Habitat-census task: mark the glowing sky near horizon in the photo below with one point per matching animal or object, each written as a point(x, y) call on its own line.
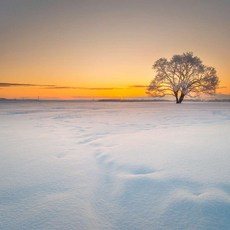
point(105, 48)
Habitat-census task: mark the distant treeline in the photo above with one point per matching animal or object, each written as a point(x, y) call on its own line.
point(112, 100)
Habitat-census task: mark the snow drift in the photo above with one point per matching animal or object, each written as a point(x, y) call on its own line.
point(101, 165)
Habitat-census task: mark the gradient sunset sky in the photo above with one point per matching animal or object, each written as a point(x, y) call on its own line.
point(74, 49)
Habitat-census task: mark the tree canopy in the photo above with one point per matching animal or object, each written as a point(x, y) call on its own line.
point(183, 75)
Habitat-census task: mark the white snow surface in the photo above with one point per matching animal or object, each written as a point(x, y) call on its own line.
point(114, 165)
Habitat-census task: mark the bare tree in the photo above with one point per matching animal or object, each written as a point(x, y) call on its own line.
point(183, 75)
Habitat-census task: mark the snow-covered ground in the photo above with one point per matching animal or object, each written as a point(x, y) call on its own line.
point(123, 166)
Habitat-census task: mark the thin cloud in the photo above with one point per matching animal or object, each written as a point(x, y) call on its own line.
point(138, 86)
point(102, 88)
point(222, 87)
point(7, 84)
point(81, 88)
point(59, 87)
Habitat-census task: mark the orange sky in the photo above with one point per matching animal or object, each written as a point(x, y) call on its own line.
point(102, 48)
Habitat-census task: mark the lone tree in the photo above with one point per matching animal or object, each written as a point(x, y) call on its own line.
point(183, 75)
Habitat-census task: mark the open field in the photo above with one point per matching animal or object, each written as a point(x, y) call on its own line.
point(114, 165)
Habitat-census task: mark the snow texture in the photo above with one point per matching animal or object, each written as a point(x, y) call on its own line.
point(121, 166)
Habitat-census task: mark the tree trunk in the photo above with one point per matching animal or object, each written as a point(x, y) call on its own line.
point(176, 96)
point(181, 98)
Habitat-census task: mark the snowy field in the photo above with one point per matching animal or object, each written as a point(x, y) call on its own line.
point(121, 166)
